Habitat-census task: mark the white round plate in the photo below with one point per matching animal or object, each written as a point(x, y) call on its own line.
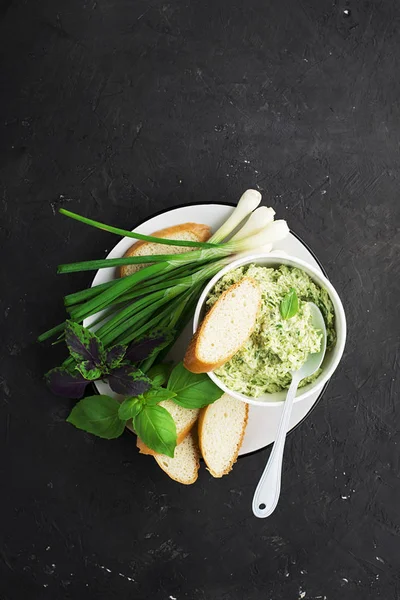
point(263, 421)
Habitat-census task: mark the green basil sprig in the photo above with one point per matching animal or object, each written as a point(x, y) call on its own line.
point(106, 417)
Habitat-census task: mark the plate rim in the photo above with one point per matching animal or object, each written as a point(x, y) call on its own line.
point(232, 205)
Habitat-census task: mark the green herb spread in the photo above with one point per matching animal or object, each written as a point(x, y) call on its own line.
point(277, 346)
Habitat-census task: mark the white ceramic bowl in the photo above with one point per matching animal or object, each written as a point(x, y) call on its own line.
point(332, 358)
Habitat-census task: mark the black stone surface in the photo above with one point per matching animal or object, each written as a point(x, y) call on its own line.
point(118, 109)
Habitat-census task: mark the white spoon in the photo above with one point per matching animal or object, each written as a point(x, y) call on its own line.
point(267, 493)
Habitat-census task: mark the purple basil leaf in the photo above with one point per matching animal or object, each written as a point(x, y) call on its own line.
point(146, 346)
point(84, 345)
point(114, 356)
point(88, 372)
point(66, 383)
point(129, 381)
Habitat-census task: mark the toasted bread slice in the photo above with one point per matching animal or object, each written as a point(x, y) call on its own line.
point(184, 419)
point(222, 426)
point(225, 328)
point(191, 232)
point(185, 465)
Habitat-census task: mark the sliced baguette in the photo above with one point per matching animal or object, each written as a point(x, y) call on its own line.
point(225, 328)
point(184, 419)
point(222, 426)
point(191, 232)
point(185, 465)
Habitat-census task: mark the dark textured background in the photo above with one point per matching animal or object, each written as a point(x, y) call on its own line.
point(118, 109)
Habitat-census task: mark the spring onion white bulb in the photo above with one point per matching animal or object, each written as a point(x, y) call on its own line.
point(247, 203)
point(260, 218)
point(275, 231)
point(261, 250)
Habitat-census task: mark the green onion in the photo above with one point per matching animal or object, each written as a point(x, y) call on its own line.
point(105, 298)
point(78, 297)
point(133, 234)
point(91, 292)
point(48, 334)
point(133, 312)
point(184, 319)
point(165, 292)
point(172, 259)
point(130, 335)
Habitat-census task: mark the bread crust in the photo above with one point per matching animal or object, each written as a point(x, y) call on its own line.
point(158, 459)
point(202, 232)
point(201, 420)
point(191, 361)
point(196, 473)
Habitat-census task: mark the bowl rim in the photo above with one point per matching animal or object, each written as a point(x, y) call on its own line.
point(340, 317)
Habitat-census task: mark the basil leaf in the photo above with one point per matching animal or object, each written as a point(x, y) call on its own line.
point(128, 380)
point(147, 346)
point(193, 390)
point(156, 428)
point(88, 372)
point(114, 356)
point(155, 396)
point(129, 408)
point(69, 384)
point(98, 415)
point(289, 306)
point(84, 345)
point(159, 374)
point(159, 380)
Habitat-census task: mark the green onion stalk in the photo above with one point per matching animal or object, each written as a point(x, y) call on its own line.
point(165, 292)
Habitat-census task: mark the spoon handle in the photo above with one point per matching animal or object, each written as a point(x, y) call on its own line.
point(267, 492)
